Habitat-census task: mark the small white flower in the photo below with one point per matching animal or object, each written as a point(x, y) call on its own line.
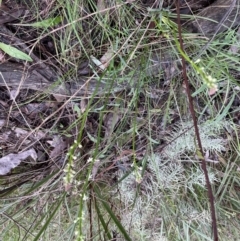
point(197, 61)
point(90, 177)
point(76, 220)
point(89, 160)
point(211, 79)
point(85, 198)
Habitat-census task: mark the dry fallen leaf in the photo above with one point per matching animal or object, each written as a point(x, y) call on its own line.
point(95, 168)
point(59, 146)
point(97, 62)
point(8, 15)
point(2, 122)
point(106, 58)
point(83, 105)
point(110, 120)
point(11, 161)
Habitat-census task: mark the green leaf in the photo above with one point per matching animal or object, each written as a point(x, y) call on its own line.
point(107, 231)
point(50, 22)
point(112, 215)
point(94, 140)
point(225, 111)
point(199, 90)
point(13, 52)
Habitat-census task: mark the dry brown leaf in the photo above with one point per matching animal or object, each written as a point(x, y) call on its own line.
point(110, 121)
point(2, 122)
point(8, 15)
point(106, 58)
point(60, 93)
point(95, 168)
point(83, 105)
point(59, 146)
point(21, 133)
point(11, 161)
point(59, 98)
point(4, 137)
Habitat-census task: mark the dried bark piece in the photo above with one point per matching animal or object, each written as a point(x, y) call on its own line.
point(8, 15)
point(212, 15)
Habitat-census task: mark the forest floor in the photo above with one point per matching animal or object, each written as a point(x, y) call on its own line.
point(97, 140)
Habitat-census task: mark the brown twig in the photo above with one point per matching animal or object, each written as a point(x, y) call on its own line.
point(203, 161)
